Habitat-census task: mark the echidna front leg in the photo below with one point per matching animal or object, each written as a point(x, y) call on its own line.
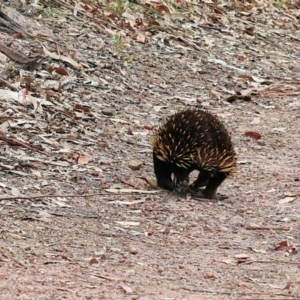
point(202, 180)
point(210, 192)
point(163, 174)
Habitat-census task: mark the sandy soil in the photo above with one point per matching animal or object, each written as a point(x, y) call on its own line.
point(99, 244)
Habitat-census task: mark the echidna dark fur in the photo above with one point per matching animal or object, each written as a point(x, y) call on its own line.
point(189, 140)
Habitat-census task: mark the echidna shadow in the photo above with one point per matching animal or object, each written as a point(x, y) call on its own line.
point(189, 140)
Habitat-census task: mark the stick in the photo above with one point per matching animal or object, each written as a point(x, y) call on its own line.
point(267, 228)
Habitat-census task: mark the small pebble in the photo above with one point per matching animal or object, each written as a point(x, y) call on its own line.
point(133, 250)
point(107, 111)
point(94, 260)
point(135, 164)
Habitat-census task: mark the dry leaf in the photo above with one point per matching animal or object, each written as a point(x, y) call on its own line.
point(262, 251)
point(66, 59)
point(126, 289)
point(144, 133)
point(286, 200)
point(3, 58)
point(120, 121)
point(127, 202)
point(23, 97)
point(210, 276)
point(141, 37)
point(128, 223)
point(228, 261)
point(288, 284)
point(241, 256)
point(285, 246)
point(245, 285)
point(253, 134)
point(83, 159)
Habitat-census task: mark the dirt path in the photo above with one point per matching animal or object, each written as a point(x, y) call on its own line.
point(96, 119)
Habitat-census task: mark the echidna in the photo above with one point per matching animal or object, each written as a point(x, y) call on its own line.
point(189, 140)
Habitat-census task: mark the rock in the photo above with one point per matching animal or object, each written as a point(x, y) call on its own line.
point(135, 164)
point(107, 111)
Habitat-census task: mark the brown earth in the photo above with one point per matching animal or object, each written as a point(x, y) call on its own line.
point(100, 244)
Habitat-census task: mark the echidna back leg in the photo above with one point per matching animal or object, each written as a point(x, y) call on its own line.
point(210, 192)
point(202, 180)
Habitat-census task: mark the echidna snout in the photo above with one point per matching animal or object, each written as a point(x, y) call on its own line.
point(181, 180)
point(164, 171)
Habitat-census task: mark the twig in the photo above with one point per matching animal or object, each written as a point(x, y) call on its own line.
point(13, 141)
point(106, 277)
point(273, 262)
point(293, 195)
point(74, 215)
point(189, 43)
point(11, 26)
point(5, 82)
point(206, 291)
point(52, 196)
point(60, 195)
point(146, 7)
point(261, 294)
point(267, 228)
point(263, 262)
